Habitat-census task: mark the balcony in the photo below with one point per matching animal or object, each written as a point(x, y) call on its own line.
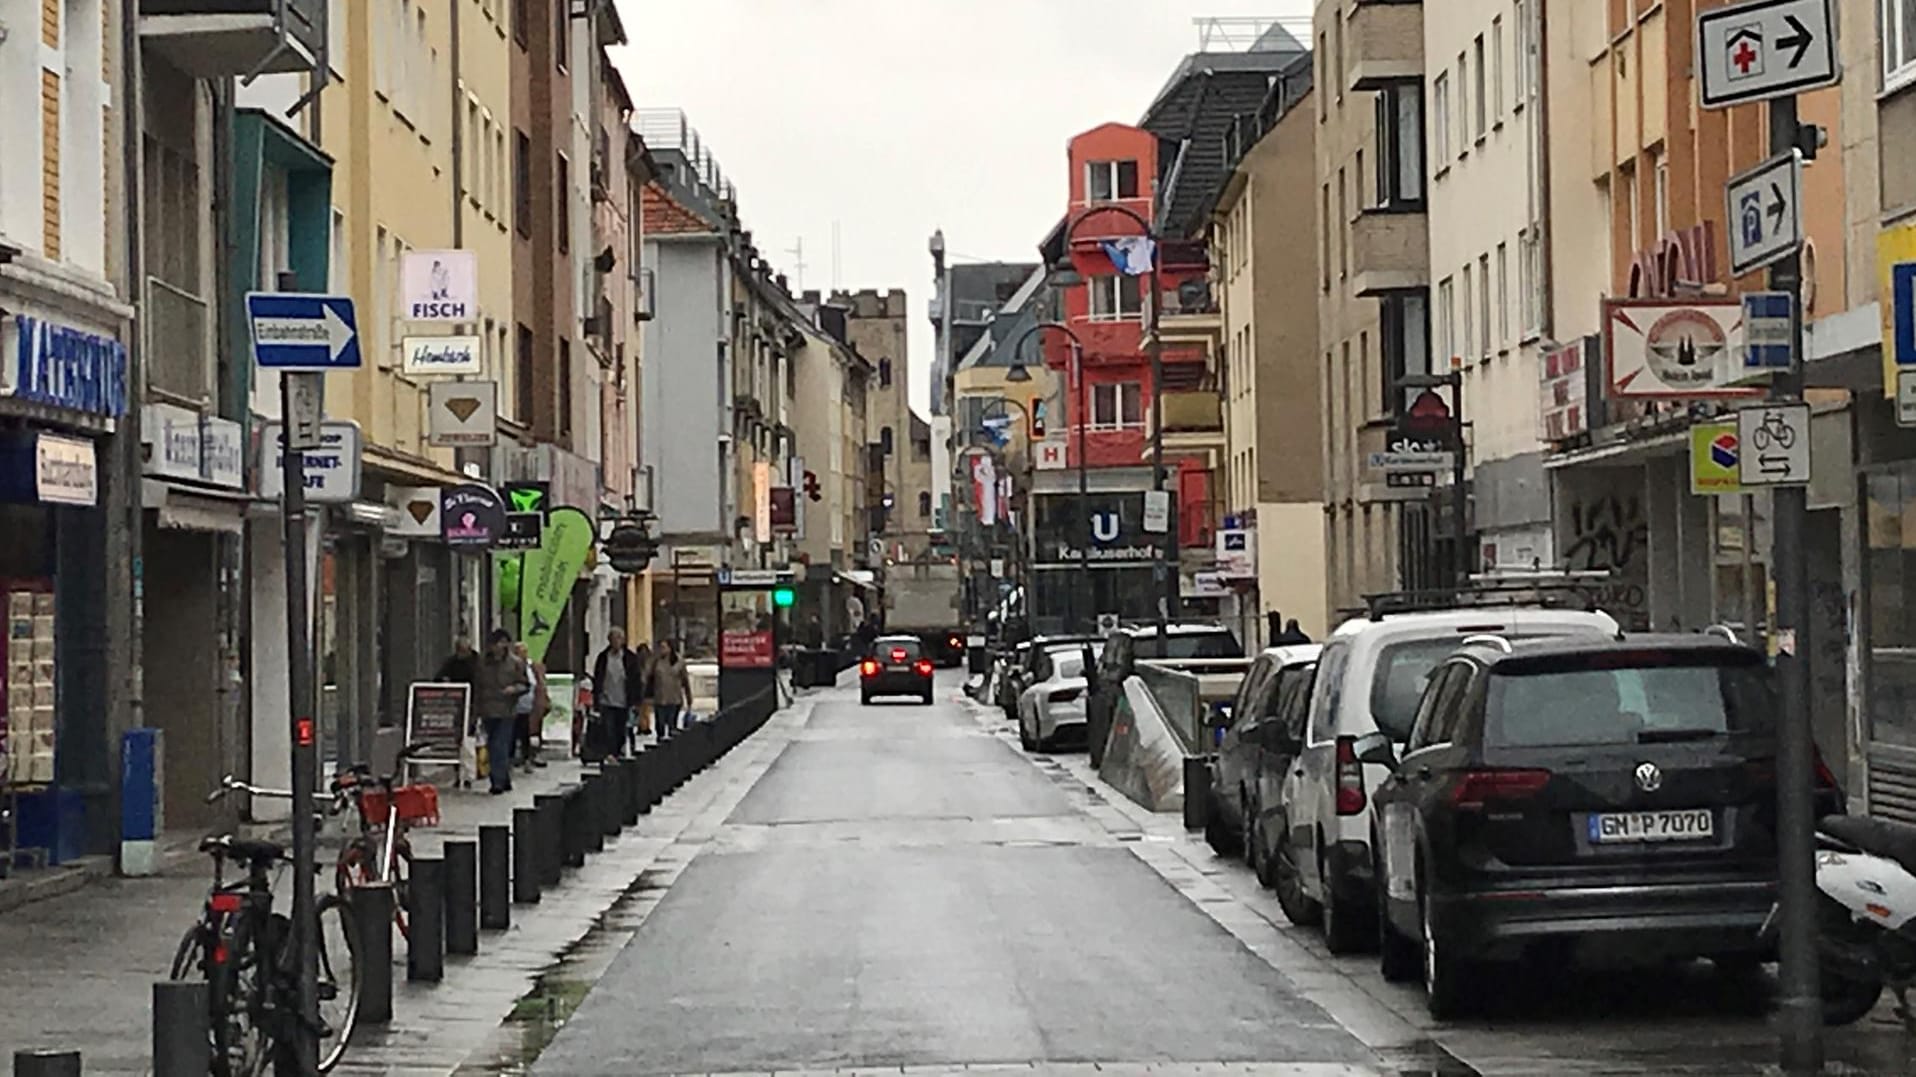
point(1193, 422)
point(245, 38)
point(1390, 252)
point(177, 360)
point(1383, 43)
point(1190, 316)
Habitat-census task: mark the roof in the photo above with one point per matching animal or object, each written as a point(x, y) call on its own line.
point(662, 214)
point(1475, 620)
point(1194, 112)
point(1699, 645)
point(1293, 654)
point(1015, 317)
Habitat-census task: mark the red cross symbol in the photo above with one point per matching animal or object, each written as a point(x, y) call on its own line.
point(1744, 57)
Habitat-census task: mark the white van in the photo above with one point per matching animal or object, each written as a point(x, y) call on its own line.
point(1369, 678)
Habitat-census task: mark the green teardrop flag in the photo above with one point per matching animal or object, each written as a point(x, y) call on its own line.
point(545, 583)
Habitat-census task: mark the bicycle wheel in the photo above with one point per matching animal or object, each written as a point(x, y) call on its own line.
point(356, 869)
point(338, 945)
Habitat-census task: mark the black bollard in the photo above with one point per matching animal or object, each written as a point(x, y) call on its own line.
point(372, 906)
point(548, 847)
point(462, 897)
point(612, 802)
point(592, 815)
point(497, 872)
point(645, 766)
point(574, 821)
point(629, 784)
point(53, 1063)
point(426, 934)
point(180, 1029)
point(1197, 792)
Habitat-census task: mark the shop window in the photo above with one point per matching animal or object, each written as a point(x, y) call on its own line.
point(924, 503)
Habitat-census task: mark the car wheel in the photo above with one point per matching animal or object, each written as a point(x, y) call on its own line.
point(1217, 835)
point(1448, 986)
point(1398, 957)
point(865, 698)
point(1346, 928)
point(1024, 737)
point(1299, 908)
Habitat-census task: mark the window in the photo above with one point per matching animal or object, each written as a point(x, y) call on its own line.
point(561, 33)
point(1404, 320)
point(1528, 56)
point(924, 503)
point(1483, 304)
point(1497, 68)
point(522, 181)
point(1533, 282)
point(1400, 145)
point(1440, 105)
point(520, 21)
point(1324, 241)
point(1117, 405)
point(1323, 76)
point(884, 441)
point(1343, 228)
point(1116, 297)
point(1662, 174)
point(1357, 182)
point(1107, 181)
point(522, 366)
point(1446, 318)
point(1897, 42)
point(1469, 340)
point(1480, 99)
point(1627, 179)
point(884, 373)
point(563, 209)
point(565, 388)
point(1503, 295)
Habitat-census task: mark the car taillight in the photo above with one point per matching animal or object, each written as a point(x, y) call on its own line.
point(1065, 696)
point(224, 903)
point(924, 667)
point(1476, 788)
point(956, 641)
point(1825, 777)
point(869, 667)
point(1350, 778)
point(898, 654)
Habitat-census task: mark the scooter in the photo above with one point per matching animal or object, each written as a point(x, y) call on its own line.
point(1866, 915)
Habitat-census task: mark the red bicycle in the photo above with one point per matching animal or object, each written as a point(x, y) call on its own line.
point(387, 810)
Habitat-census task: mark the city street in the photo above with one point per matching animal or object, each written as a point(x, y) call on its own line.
point(902, 887)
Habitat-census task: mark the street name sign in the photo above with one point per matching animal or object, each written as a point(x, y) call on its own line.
point(1766, 212)
point(1906, 396)
point(301, 331)
point(1765, 49)
point(1773, 445)
point(1767, 343)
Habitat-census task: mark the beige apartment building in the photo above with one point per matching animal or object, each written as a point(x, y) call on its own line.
point(1271, 375)
point(876, 325)
point(1373, 281)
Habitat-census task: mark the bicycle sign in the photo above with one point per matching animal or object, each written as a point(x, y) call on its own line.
point(1775, 440)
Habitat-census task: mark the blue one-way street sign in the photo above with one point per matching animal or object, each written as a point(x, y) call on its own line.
point(297, 331)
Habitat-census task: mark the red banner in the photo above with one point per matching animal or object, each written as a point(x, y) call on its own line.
point(745, 649)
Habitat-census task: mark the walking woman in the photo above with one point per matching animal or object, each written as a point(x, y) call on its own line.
point(668, 688)
point(642, 694)
point(530, 711)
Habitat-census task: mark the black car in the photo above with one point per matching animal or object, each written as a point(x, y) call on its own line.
point(896, 666)
point(1614, 793)
point(1261, 741)
point(1123, 648)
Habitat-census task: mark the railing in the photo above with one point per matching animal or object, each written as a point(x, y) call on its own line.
point(178, 361)
point(1185, 690)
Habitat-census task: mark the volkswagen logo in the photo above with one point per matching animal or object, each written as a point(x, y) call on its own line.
point(1649, 777)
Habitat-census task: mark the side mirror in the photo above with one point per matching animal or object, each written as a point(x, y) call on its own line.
point(1376, 748)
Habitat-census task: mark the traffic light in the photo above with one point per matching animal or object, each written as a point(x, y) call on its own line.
point(812, 492)
point(1037, 414)
point(783, 597)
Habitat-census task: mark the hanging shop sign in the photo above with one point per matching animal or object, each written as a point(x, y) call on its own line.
point(1565, 392)
point(547, 576)
point(439, 286)
point(1237, 553)
point(46, 363)
point(418, 508)
point(1674, 348)
point(462, 414)
point(1714, 456)
point(183, 444)
point(524, 496)
point(471, 516)
point(440, 355)
point(332, 469)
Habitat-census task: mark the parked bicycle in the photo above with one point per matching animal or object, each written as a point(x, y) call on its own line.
point(387, 810)
point(243, 949)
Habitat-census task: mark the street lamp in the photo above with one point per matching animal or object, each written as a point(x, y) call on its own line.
point(1064, 274)
point(1018, 373)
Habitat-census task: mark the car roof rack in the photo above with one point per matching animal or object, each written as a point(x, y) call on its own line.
point(1548, 588)
point(1490, 638)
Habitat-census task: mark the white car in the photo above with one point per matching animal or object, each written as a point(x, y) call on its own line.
point(1370, 676)
point(1053, 708)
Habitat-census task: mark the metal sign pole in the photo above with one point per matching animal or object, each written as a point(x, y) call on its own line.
point(305, 778)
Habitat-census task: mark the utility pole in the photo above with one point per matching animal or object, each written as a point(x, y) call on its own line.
point(1167, 578)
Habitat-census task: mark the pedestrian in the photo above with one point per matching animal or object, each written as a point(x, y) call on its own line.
point(500, 679)
point(617, 680)
point(529, 711)
point(668, 688)
point(461, 668)
point(1291, 635)
point(642, 701)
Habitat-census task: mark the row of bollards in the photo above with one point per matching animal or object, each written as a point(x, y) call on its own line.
point(468, 889)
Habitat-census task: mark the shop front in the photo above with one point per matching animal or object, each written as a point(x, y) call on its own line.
point(63, 387)
point(1106, 532)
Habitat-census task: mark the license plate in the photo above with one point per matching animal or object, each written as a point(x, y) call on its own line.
point(1690, 824)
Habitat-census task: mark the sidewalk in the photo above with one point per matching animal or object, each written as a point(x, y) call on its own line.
point(79, 967)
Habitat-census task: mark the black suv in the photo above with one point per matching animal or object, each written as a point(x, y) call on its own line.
point(1613, 792)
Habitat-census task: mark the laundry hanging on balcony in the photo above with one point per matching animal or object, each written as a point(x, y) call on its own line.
point(1132, 255)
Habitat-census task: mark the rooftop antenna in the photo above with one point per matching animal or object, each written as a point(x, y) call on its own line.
point(835, 257)
point(797, 251)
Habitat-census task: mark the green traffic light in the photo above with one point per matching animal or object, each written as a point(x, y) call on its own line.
point(783, 597)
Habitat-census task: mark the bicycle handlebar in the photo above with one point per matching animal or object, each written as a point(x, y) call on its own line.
point(230, 785)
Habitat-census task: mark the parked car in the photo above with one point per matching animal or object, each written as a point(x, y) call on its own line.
point(1370, 676)
point(1274, 694)
point(1123, 648)
point(1051, 709)
point(897, 666)
point(1611, 792)
point(1005, 692)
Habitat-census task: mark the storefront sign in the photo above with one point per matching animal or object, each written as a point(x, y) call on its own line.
point(471, 515)
point(418, 510)
point(1565, 392)
point(1109, 530)
point(332, 469)
point(63, 367)
point(762, 501)
point(436, 716)
point(1237, 553)
point(1676, 349)
point(527, 497)
point(524, 531)
point(1714, 456)
point(745, 648)
point(439, 286)
point(1207, 585)
point(440, 355)
point(183, 444)
point(548, 575)
point(462, 414)
point(65, 472)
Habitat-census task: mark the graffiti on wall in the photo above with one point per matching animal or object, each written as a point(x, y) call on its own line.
point(1609, 533)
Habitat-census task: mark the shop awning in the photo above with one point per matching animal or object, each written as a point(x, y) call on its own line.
point(181, 508)
point(858, 577)
point(1632, 451)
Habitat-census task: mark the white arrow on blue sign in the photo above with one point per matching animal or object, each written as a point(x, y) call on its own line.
point(300, 331)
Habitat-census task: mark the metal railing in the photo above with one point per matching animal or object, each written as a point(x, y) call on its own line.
point(178, 362)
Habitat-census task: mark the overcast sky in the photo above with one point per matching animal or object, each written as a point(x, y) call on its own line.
point(891, 118)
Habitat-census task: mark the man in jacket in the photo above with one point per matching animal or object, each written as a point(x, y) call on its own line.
point(499, 679)
point(618, 682)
